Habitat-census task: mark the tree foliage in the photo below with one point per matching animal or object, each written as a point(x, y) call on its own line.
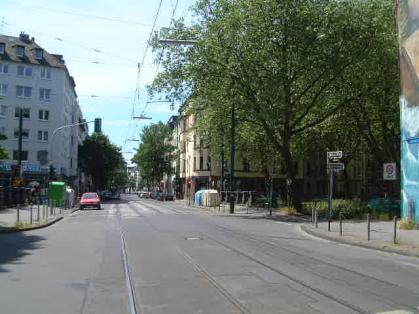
point(101, 160)
point(3, 152)
point(153, 156)
point(291, 68)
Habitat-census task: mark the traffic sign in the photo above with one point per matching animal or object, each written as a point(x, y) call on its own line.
point(334, 156)
point(390, 171)
point(336, 166)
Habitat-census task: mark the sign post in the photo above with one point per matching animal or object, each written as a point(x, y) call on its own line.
point(333, 165)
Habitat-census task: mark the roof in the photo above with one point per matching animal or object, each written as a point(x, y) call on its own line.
point(30, 45)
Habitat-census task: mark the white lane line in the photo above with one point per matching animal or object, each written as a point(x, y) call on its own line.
point(283, 223)
point(396, 312)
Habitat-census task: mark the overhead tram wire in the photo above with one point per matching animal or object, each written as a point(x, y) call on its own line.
point(174, 8)
point(84, 15)
point(140, 66)
point(74, 43)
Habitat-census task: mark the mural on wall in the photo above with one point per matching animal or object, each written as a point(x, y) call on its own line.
point(408, 21)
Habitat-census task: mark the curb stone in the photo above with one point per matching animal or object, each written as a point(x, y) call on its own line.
point(14, 229)
point(311, 232)
point(49, 223)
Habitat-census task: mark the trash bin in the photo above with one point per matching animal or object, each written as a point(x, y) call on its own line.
point(198, 197)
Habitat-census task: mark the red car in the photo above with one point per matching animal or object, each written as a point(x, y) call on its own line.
point(90, 200)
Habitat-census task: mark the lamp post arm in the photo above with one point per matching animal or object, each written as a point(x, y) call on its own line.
point(56, 131)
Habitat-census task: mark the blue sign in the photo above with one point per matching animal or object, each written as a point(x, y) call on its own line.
point(414, 140)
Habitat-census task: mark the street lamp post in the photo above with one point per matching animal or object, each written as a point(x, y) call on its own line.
point(187, 180)
point(51, 146)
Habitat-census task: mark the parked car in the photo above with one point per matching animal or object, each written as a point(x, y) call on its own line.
point(115, 196)
point(155, 195)
point(167, 197)
point(105, 195)
point(89, 200)
point(144, 194)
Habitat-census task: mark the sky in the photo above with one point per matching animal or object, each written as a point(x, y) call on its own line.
point(102, 42)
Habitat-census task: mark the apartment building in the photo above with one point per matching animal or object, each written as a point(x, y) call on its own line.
point(40, 84)
point(195, 168)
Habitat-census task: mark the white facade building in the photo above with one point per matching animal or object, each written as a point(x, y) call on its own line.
point(39, 82)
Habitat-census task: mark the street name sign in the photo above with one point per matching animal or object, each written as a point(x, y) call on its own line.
point(390, 171)
point(336, 166)
point(334, 156)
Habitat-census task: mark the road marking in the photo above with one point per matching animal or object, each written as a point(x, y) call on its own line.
point(283, 223)
point(396, 312)
point(411, 265)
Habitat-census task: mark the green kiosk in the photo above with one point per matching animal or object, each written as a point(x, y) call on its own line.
point(56, 193)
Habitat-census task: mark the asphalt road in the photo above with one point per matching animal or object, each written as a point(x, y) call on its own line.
point(146, 256)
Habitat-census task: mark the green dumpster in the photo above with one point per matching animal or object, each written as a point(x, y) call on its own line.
point(56, 193)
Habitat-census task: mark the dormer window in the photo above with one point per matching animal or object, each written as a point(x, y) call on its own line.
point(20, 50)
point(2, 48)
point(39, 54)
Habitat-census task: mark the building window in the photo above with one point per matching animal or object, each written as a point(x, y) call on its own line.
point(43, 136)
point(25, 133)
point(4, 68)
point(44, 94)
point(19, 50)
point(3, 89)
point(246, 165)
point(209, 163)
point(201, 162)
point(3, 130)
point(2, 48)
point(24, 91)
point(39, 54)
point(194, 163)
point(24, 155)
point(43, 115)
point(26, 112)
point(3, 110)
point(42, 156)
point(24, 71)
point(45, 73)
point(72, 140)
point(71, 163)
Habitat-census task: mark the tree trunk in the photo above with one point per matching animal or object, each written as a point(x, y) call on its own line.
point(293, 195)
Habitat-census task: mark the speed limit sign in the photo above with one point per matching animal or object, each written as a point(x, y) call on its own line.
point(390, 171)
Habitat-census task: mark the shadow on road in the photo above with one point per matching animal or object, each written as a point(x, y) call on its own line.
point(15, 246)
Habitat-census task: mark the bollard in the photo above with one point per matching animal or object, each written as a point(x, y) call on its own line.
point(368, 226)
point(340, 224)
point(312, 216)
point(31, 214)
point(395, 230)
point(316, 220)
point(18, 214)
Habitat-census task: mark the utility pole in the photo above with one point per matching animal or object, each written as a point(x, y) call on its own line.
point(19, 149)
point(222, 168)
point(232, 156)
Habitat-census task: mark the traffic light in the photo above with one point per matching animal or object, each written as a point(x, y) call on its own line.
point(98, 125)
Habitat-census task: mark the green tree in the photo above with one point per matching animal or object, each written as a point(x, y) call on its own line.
point(153, 156)
point(3, 152)
point(286, 70)
point(100, 159)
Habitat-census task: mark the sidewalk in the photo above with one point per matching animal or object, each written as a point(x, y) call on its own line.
point(381, 236)
point(10, 219)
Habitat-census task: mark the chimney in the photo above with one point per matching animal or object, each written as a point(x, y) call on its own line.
point(24, 37)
